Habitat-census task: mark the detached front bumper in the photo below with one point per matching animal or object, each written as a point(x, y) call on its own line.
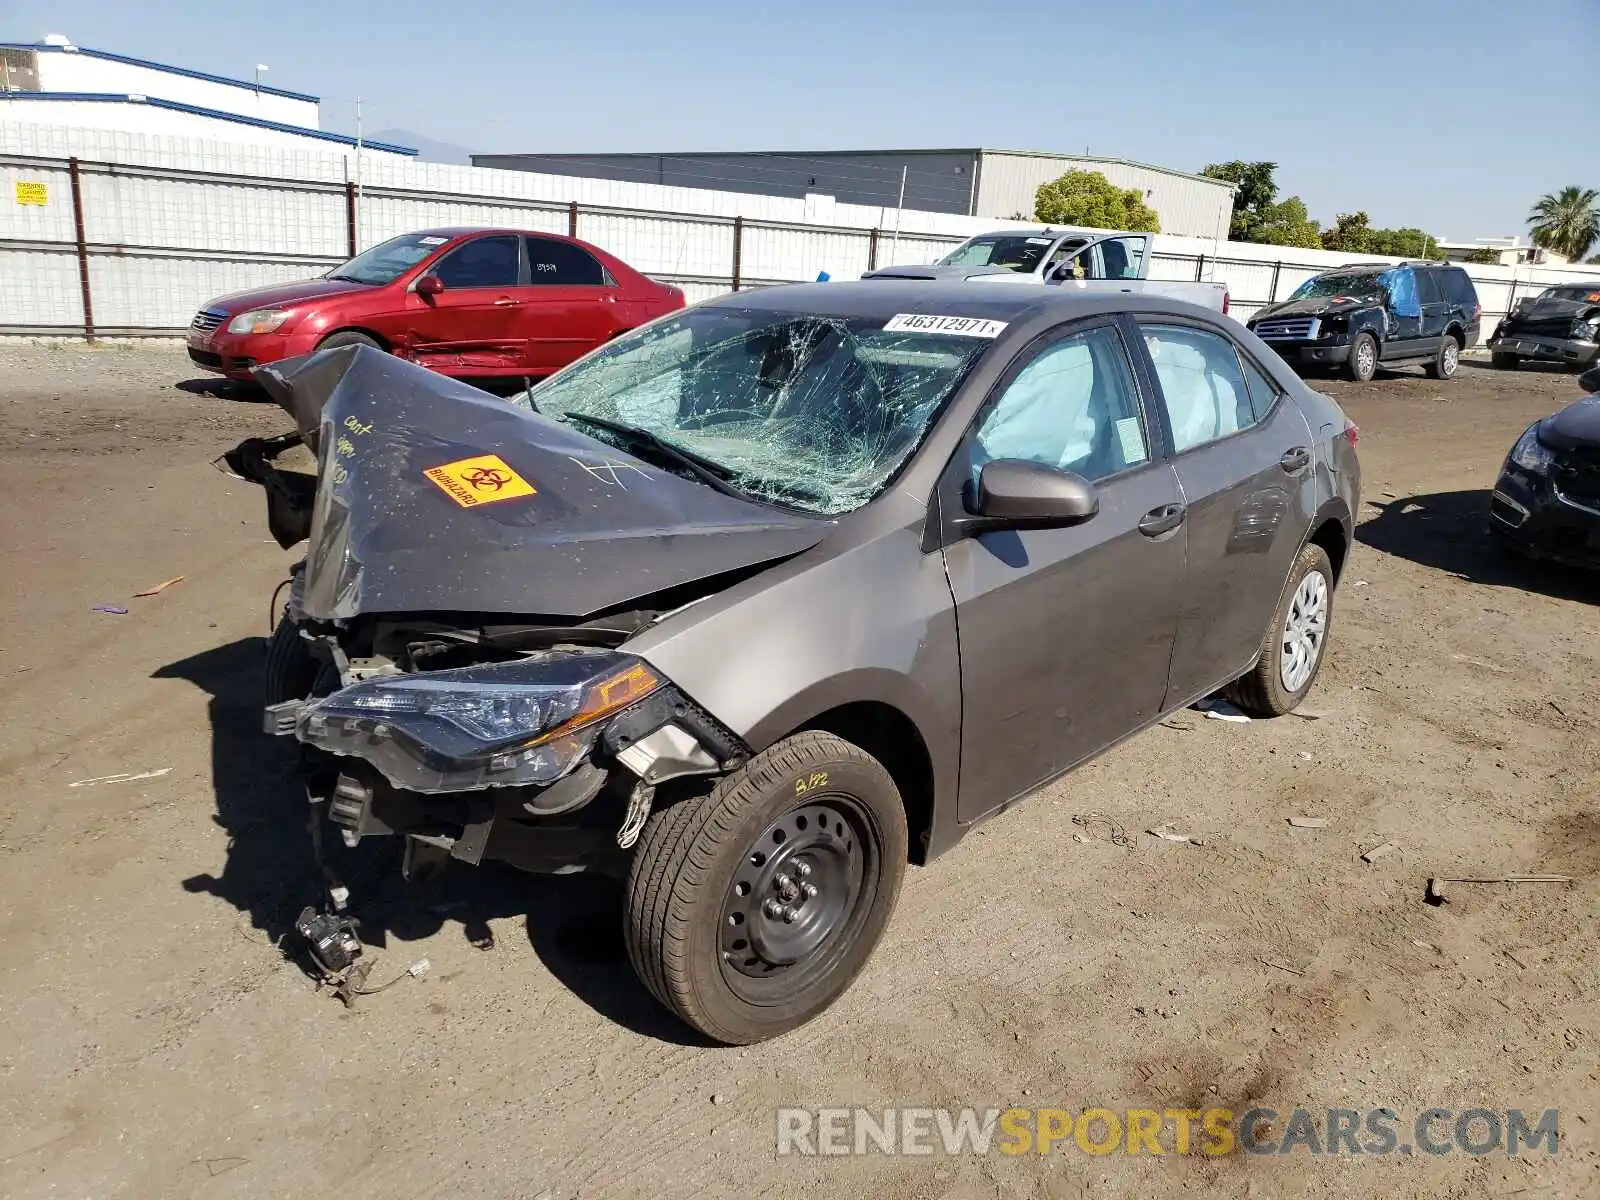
point(1532, 514)
point(1546, 349)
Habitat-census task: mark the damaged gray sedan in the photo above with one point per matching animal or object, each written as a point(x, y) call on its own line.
point(759, 602)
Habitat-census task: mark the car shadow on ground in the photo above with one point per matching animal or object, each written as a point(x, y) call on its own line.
point(223, 389)
point(574, 923)
point(1449, 531)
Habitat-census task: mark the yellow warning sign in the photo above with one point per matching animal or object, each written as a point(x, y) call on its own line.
point(482, 480)
point(32, 193)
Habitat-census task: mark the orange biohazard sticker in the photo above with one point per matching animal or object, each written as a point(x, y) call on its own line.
point(481, 480)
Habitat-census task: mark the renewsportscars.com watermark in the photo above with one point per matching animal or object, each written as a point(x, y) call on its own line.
point(1213, 1131)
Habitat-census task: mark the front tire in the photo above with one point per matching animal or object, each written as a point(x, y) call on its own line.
point(1445, 362)
point(348, 337)
point(1295, 642)
point(290, 672)
point(753, 906)
point(1363, 362)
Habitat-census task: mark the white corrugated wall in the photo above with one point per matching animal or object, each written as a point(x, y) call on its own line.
point(171, 223)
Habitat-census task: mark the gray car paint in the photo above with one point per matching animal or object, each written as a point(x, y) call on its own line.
point(871, 615)
point(1013, 655)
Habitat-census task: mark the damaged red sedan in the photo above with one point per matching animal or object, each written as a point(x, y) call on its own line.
point(464, 302)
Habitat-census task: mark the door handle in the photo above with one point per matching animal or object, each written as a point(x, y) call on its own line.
point(506, 302)
point(1162, 520)
point(1295, 459)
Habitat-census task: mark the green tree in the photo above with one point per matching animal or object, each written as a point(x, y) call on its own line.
point(1567, 221)
point(1286, 224)
point(1258, 215)
point(1254, 191)
point(1488, 256)
point(1089, 198)
point(1353, 234)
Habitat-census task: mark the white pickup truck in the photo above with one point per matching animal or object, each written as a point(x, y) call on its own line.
point(1085, 258)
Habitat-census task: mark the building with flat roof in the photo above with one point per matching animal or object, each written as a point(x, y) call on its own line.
point(53, 82)
point(970, 182)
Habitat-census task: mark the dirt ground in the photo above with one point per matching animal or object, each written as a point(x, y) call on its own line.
point(157, 1043)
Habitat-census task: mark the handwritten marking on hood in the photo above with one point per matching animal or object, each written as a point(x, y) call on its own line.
point(609, 471)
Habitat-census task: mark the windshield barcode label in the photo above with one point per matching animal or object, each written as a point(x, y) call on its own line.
point(959, 326)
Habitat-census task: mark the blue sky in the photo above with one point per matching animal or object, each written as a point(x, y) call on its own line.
point(1451, 116)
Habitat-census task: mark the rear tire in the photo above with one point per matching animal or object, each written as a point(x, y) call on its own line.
point(1281, 677)
point(348, 337)
point(754, 905)
point(1446, 361)
point(1363, 362)
point(1503, 362)
point(290, 672)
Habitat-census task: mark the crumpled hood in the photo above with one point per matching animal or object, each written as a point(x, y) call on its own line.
point(1311, 306)
point(435, 496)
point(1575, 425)
point(1545, 308)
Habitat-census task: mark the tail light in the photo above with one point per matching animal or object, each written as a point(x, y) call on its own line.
point(1351, 434)
point(1226, 300)
point(1477, 312)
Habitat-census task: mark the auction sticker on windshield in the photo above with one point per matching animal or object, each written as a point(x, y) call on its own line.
point(959, 326)
point(481, 480)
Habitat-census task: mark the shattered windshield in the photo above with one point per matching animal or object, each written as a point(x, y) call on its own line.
point(1355, 285)
point(1017, 252)
point(387, 261)
point(810, 411)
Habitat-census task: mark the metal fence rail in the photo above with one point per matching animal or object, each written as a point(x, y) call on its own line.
point(139, 247)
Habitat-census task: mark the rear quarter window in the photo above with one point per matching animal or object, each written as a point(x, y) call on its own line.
point(1458, 286)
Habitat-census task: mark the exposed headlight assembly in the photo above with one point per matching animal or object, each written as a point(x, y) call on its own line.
point(1530, 453)
point(498, 725)
point(260, 320)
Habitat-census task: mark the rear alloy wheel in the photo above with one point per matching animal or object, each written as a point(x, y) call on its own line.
point(752, 906)
point(1363, 364)
point(1296, 641)
point(1446, 361)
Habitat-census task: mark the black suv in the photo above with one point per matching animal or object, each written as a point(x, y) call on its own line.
point(1362, 315)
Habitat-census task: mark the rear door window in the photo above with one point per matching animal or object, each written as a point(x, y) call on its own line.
point(486, 262)
point(1428, 288)
point(561, 264)
point(1201, 382)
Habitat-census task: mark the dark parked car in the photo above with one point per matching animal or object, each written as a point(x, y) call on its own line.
point(756, 603)
point(1560, 324)
point(1546, 502)
point(1362, 316)
point(473, 302)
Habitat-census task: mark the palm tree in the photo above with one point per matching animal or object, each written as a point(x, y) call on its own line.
point(1567, 222)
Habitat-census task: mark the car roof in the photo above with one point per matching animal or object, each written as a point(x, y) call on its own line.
point(455, 231)
point(1052, 231)
point(880, 299)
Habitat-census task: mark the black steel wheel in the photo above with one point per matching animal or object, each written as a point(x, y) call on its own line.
point(754, 905)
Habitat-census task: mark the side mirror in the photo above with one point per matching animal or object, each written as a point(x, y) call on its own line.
point(1015, 494)
point(1589, 381)
point(429, 285)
